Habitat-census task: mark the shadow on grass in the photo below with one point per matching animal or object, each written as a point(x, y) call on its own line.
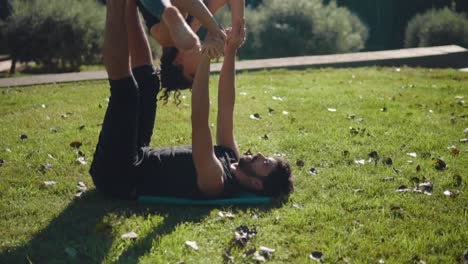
point(79, 233)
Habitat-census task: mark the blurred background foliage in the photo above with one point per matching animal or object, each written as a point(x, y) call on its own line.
point(62, 35)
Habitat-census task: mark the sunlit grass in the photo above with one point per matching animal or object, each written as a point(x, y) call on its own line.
point(348, 211)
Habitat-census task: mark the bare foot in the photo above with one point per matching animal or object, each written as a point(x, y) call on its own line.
point(182, 35)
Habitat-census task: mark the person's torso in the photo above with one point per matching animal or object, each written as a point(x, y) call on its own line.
point(171, 171)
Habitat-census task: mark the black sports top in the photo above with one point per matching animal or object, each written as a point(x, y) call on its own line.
point(170, 171)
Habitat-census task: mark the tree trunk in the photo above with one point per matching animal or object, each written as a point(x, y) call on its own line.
point(13, 66)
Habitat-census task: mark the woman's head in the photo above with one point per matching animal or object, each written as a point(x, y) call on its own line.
point(177, 71)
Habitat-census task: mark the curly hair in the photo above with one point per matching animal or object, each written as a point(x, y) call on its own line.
point(172, 77)
point(280, 181)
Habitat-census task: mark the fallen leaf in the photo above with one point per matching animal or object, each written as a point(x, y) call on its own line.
point(131, 235)
point(8, 150)
point(285, 112)
point(266, 251)
point(225, 215)
point(361, 161)
point(49, 183)
point(76, 144)
point(192, 244)
point(297, 206)
point(270, 111)
point(387, 161)
point(300, 163)
point(243, 93)
point(374, 155)
point(425, 187)
point(464, 140)
point(403, 188)
point(465, 131)
point(45, 166)
point(255, 116)
point(228, 258)
point(412, 154)
point(358, 191)
point(331, 109)
point(459, 97)
point(23, 137)
point(82, 186)
point(81, 160)
point(243, 234)
point(258, 257)
point(313, 171)
point(440, 164)
point(277, 98)
point(448, 193)
point(317, 256)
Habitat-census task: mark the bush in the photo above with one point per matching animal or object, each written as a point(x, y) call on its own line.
point(57, 34)
point(437, 27)
point(279, 28)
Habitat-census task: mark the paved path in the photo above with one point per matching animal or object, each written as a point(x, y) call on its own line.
point(451, 56)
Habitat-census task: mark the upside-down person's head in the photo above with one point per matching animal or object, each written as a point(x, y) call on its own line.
point(177, 72)
point(265, 175)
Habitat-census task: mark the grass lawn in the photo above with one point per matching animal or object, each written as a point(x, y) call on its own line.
point(366, 132)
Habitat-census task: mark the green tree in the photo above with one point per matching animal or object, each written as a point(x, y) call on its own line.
point(60, 35)
point(279, 28)
point(437, 27)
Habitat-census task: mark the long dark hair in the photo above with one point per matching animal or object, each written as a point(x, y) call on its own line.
point(172, 77)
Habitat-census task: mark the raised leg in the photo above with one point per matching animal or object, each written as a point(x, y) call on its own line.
point(144, 73)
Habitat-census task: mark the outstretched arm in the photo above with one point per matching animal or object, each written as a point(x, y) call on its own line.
point(227, 95)
point(209, 169)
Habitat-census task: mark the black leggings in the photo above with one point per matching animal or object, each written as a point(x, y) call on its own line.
point(127, 127)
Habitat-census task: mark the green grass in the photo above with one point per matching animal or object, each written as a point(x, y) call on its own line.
point(347, 211)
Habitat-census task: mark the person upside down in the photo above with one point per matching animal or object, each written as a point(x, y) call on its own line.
point(125, 167)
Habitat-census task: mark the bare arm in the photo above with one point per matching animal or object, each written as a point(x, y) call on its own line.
point(227, 98)
point(209, 169)
point(237, 12)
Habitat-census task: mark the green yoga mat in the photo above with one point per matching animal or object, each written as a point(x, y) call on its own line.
point(241, 199)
